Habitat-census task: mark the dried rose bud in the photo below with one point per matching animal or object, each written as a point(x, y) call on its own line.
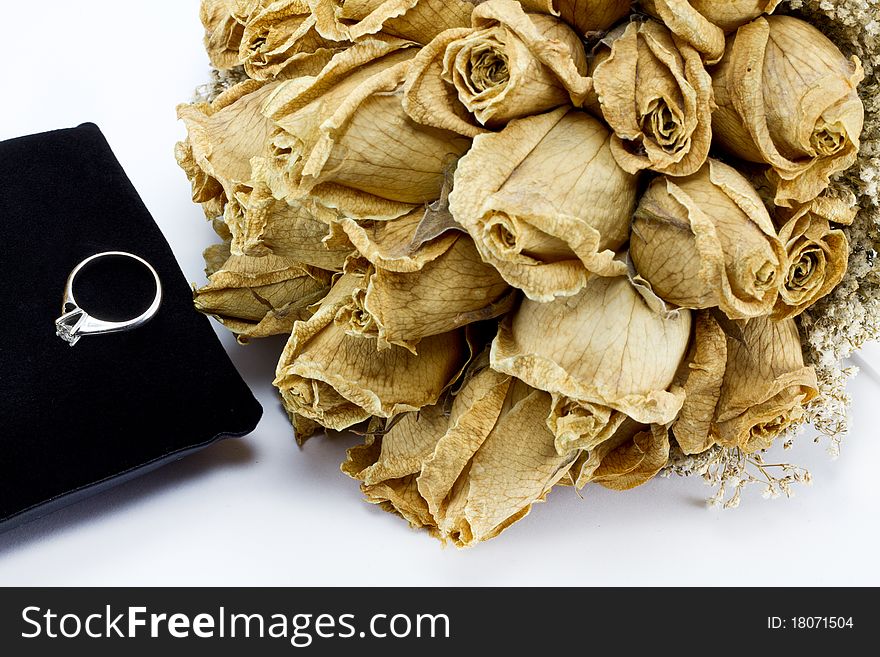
point(611, 351)
point(818, 256)
point(585, 16)
point(223, 137)
point(334, 377)
point(258, 297)
point(280, 41)
point(657, 97)
point(508, 65)
point(703, 23)
point(466, 475)
point(546, 202)
point(788, 97)
point(223, 32)
point(343, 139)
point(765, 385)
point(707, 241)
point(433, 289)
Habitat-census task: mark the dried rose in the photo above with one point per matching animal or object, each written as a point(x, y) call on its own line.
point(344, 140)
point(633, 456)
point(610, 351)
point(510, 65)
point(707, 241)
point(415, 20)
point(223, 32)
point(469, 476)
point(334, 377)
point(585, 16)
point(545, 202)
point(703, 23)
point(280, 41)
point(765, 385)
point(261, 225)
point(818, 257)
point(206, 190)
point(449, 287)
point(788, 97)
point(657, 97)
point(257, 297)
point(223, 137)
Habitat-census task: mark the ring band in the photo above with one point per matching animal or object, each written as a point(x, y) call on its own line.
point(76, 322)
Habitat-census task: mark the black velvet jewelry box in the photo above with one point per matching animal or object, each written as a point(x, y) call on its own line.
point(77, 420)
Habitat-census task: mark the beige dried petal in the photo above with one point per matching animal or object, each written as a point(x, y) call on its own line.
point(607, 345)
point(339, 380)
point(585, 16)
point(515, 466)
point(401, 497)
point(345, 140)
point(260, 297)
point(635, 462)
point(788, 97)
point(224, 135)
point(406, 447)
point(206, 190)
point(453, 291)
point(818, 257)
point(262, 225)
point(475, 413)
point(765, 385)
point(415, 20)
point(389, 245)
point(280, 41)
point(701, 376)
point(702, 23)
point(581, 425)
point(223, 32)
point(546, 203)
point(656, 95)
point(428, 98)
point(707, 241)
point(513, 65)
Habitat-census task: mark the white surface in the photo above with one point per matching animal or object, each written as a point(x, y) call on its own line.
point(262, 512)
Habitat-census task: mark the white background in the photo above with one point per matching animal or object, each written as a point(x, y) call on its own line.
point(260, 511)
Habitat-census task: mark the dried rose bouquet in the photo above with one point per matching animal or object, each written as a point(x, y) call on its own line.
point(538, 243)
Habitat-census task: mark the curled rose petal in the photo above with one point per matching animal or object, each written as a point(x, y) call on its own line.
point(206, 190)
point(224, 135)
point(339, 379)
point(280, 41)
point(609, 346)
point(262, 225)
point(765, 385)
point(545, 202)
point(818, 257)
point(344, 140)
point(657, 97)
point(707, 241)
point(513, 65)
point(260, 297)
point(481, 466)
point(631, 457)
point(585, 16)
point(454, 290)
point(788, 97)
point(223, 32)
point(702, 23)
point(415, 20)
point(701, 376)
